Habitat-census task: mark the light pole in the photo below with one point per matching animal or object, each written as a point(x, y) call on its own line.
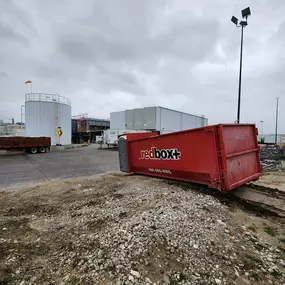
point(261, 128)
point(276, 123)
point(22, 116)
point(245, 13)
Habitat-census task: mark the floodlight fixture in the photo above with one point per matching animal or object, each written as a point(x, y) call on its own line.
point(246, 12)
point(243, 23)
point(234, 20)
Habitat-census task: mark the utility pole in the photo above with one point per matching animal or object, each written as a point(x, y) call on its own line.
point(276, 124)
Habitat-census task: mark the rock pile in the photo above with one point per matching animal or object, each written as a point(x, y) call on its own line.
point(141, 231)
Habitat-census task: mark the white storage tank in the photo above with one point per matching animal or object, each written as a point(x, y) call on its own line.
point(45, 114)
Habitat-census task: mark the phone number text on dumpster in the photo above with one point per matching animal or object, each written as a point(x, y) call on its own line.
point(157, 170)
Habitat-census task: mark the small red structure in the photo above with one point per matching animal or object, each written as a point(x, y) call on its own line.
point(222, 156)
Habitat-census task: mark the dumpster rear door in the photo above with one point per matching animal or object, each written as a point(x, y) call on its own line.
point(123, 154)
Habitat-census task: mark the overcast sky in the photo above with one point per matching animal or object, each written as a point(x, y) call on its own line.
point(110, 55)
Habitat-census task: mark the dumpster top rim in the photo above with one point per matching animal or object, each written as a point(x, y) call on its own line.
point(195, 129)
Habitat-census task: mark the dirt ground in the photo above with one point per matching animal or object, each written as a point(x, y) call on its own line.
point(274, 179)
point(121, 229)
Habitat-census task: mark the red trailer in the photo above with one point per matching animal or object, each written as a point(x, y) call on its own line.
point(31, 145)
point(222, 156)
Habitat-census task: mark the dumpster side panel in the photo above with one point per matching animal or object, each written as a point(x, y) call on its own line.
point(190, 155)
point(241, 169)
point(241, 152)
point(239, 138)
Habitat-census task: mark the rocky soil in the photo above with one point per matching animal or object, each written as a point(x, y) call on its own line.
point(270, 157)
point(118, 229)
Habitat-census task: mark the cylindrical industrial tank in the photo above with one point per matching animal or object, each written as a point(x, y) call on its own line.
point(44, 114)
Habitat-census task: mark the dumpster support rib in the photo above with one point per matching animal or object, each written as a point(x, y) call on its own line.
point(221, 157)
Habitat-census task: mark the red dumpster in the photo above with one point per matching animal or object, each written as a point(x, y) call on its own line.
point(135, 136)
point(222, 156)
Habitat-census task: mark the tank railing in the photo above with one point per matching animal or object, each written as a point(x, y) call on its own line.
point(44, 97)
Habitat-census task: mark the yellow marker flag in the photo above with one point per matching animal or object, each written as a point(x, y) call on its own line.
point(28, 81)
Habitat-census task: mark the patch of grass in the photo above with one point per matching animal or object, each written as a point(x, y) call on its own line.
point(206, 209)
point(276, 274)
point(282, 239)
point(270, 231)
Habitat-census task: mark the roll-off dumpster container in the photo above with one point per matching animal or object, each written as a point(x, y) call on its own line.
point(222, 156)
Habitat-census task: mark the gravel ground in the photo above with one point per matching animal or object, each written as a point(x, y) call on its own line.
point(120, 229)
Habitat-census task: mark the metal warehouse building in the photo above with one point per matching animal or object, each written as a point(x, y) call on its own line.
point(155, 118)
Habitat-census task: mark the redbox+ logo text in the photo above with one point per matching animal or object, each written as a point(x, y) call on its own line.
point(166, 154)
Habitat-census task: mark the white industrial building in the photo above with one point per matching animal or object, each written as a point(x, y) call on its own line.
point(155, 118)
point(45, 114)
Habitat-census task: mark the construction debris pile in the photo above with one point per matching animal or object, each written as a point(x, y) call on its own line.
point(270, 157)
point(130, 230)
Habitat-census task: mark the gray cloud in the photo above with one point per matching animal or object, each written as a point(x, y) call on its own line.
point(8, 34)
point(3, 74)
point(110, 55)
